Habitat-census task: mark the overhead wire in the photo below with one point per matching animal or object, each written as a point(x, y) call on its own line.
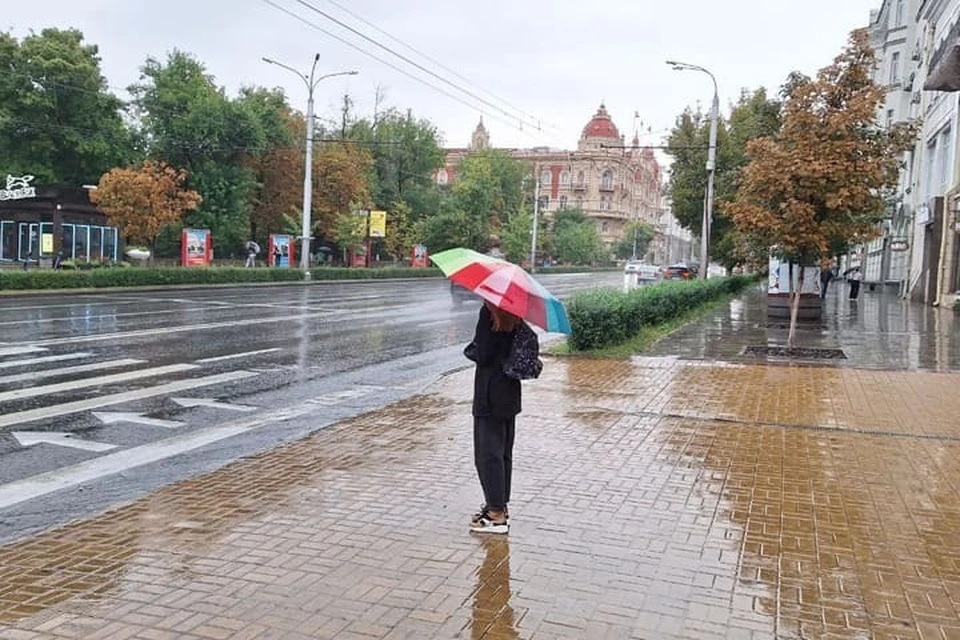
point(528, 116)
point(381, 60)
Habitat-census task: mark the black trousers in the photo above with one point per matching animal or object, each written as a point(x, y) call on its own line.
point(493, 455)
point(854, 289)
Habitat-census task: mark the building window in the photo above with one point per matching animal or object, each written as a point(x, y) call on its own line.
point(895, 67)
point(604, 227)
point(544, 203)
point(580, 178)
point(889, 117)
point(565, 178)
point(606, 180)
point(545, 177)
point(579, 203)
point(442, 177)
point(563, 202)
point(899, 15)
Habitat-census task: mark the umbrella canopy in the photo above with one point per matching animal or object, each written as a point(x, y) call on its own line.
point(505, 285)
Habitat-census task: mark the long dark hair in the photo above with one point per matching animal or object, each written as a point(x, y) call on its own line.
point(503, 321)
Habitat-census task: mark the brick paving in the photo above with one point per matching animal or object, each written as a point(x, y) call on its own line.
point(655, 498)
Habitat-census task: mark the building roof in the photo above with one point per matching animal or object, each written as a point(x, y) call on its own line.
point(601, 126)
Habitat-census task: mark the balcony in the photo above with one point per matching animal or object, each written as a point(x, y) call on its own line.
point(579, 186)
point(607, 188)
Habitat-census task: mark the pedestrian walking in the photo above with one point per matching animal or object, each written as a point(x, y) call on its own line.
point(826, 276)
point(252, 250)
point(496, 403)
point(855, 277)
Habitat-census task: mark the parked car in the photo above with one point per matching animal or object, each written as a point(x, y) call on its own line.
point(678, 272)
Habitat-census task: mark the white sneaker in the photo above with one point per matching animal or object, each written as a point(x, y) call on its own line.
point(484, 524)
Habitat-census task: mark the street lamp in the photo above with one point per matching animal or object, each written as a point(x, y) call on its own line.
point(311, 82)
point(711, 165)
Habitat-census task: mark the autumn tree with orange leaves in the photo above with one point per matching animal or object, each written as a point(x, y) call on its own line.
point(823, 183)
point(141, 202)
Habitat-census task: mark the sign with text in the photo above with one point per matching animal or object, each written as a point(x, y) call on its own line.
point(419, 256)
point(18, 188)
point(196, 248)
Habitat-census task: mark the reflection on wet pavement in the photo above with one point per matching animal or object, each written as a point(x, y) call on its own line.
point(658, 498)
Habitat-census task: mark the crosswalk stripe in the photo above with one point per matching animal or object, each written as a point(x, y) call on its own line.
point(29, 362)
point(21, 350)
point(77, 406)
point(31, 392)
point(63, 371)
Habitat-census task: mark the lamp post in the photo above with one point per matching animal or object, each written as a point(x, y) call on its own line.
point(711, 165)
point(311, 82)
point(533, 232)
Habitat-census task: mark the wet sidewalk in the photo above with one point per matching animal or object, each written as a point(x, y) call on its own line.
point(666, 497)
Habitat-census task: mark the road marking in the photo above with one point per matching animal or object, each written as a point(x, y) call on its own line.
point(140, 333)
point(77, 406)
point(33, 438)
point(80, 368)
point(210, 402)
point(10, 364)
point(43, 484)
point(31, 392)
point(230, 356)
point(111, 417)
point(17, 351)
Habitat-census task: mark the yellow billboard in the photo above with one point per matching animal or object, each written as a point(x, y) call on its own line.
point(378, 224)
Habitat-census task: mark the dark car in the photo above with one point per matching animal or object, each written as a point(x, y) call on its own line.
point(677, 272)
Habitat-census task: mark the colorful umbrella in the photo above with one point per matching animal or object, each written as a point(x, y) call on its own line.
point(506, 285)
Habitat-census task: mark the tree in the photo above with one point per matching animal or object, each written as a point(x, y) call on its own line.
point(637, 234)
point(824, 180)
point(190, 122)
point(576, 238)
point(341, 182)
point(515, 235)
point(754, 115)
point(349, 232)
point(401, 231)
point(142, 202)
point(490, 187)
point(58, 121)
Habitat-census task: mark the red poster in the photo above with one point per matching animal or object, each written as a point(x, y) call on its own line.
point(196, 248)
point(280, 251)
point(419, 256)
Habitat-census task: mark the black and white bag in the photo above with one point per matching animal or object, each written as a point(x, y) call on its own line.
point(524, 362)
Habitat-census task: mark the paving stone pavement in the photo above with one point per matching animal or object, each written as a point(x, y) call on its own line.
point(663, 497)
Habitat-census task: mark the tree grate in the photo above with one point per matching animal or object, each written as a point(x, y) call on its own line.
point(797, 353)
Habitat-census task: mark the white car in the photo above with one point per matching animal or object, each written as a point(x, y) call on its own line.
point(643, 270)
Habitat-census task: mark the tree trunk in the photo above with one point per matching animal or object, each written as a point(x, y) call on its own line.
point(794, 303)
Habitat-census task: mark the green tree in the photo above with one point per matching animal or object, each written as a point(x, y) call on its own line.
point(636, 234)
point(58, 121)
point(753, 116)
point(515, 235)
point(576, 238)
point(406, 151)
point(489, 187)
point(191, 123)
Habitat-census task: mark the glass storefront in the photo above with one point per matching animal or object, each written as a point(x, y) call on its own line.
point(20, 241)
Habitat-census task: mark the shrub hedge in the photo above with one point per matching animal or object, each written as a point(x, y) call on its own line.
point(606, 317)
point(16, 280)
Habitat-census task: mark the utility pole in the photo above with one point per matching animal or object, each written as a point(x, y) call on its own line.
point(533, 233)
point(711, 165)
point(305, 222)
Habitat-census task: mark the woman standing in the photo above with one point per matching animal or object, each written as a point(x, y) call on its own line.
point(496, 403)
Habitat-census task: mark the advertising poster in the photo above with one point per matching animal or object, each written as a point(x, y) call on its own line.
point(378, 224)
point(419, 256)
point(196, 248)
point(280, 251)
point(779, 278)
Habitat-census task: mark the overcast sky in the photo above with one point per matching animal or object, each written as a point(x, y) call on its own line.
point(552, 60)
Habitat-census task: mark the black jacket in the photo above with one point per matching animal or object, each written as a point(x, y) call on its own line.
point(494, 394)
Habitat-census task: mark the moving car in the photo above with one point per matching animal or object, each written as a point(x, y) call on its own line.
point(643, 270)
point(677, 272)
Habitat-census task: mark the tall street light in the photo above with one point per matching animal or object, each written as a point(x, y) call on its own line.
point(711, 165)
point(311, 82)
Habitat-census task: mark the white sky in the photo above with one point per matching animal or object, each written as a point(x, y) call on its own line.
point(554, 60)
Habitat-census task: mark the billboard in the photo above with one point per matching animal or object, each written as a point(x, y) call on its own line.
point(196, 248)
point(280, 251)
point(378, 224)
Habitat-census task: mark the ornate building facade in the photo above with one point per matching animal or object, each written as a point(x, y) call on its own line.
point(612, 182)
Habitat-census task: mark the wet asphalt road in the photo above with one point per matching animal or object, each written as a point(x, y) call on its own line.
point(105, 396)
